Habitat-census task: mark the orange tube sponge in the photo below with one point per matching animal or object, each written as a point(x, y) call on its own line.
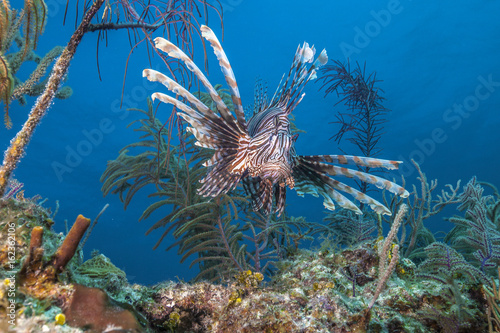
point(36, 239)
point(68, 248)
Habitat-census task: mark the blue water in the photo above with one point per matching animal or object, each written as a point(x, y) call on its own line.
point(439, 62)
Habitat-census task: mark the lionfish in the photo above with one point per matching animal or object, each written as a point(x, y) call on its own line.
point(260, 153)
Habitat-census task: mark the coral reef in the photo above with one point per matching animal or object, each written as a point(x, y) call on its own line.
point(367, 287)
point(422, 206)
point(405, 282)
point(39, 277)
point(309, 294)
point(39, 290)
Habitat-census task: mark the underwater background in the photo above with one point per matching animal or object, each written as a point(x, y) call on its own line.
point(441, 80)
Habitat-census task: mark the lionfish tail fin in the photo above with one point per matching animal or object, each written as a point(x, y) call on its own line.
point(289, 94)
point(225, 134)
point(312, 175)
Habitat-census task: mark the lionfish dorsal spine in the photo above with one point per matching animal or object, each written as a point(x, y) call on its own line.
point(289, 94)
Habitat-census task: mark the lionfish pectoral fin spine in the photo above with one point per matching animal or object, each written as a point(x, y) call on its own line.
point(312, 182)
point(155, 76)
point(209, 35)
point(334, 170)
point(358, 195)
point(207, 118)
point(174, 52)
point(225, 134)
point(314, 177)
point(199, 128)
point(354, 160)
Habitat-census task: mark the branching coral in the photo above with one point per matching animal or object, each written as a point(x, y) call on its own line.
point(361, 95)
point(477, 234)
point(444, 263)
point(388, 251)
point(274, 238)
point(351, 229)
point(492, 295)
point(31, 20)
point(422, 206)
point(6, 86)
point(447, 266)
point(177, 20)
point(35, 13)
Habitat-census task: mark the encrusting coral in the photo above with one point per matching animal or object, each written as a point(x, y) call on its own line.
point(98, 267)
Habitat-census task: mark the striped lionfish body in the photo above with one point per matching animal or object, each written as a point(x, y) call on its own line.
point(261, 153)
